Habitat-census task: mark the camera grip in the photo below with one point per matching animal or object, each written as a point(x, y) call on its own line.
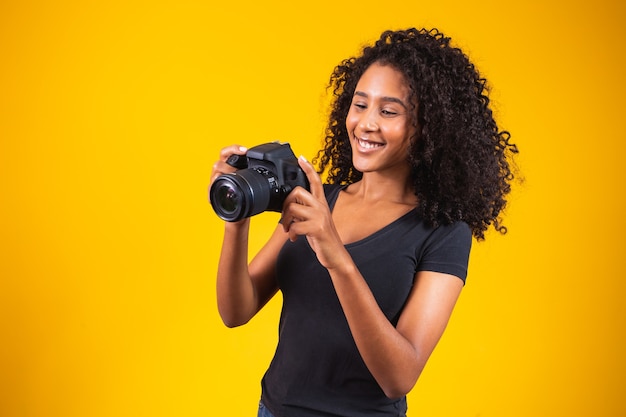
point(237, 161)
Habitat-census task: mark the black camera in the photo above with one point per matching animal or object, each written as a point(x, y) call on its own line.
point(264, 178)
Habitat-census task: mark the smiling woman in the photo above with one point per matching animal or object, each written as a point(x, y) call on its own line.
point(459, 159)
point(370, 266)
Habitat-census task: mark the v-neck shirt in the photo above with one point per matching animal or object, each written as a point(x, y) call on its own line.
point(317, 369)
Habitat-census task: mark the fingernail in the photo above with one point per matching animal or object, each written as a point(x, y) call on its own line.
point(243, 149)
point(303, 158)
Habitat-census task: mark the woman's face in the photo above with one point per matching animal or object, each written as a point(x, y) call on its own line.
point(379, 123)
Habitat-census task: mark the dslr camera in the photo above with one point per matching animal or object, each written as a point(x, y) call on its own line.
point(264, 178)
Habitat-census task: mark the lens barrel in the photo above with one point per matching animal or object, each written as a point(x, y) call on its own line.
point(241, 194)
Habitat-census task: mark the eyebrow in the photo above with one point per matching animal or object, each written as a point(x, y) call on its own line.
point(385, 98)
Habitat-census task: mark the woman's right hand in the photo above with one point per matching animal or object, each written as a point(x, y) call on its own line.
point(221, 167)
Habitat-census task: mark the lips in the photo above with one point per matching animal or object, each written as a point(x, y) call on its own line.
point(368, 145)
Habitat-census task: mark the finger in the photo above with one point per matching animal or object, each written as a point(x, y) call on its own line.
point(289, 215)
point(293, 234)
point(315, 182)
point(221, 167)
point(296, 227)
point(299, 196)
point(226, 152)
point(298, 211)
point(295, 213)
point(288, 223)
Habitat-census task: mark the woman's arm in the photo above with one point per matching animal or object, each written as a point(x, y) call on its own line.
point(397, 356)
point(242, 289)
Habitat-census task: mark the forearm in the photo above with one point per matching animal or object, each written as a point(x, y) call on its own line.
point(236, 299)
point(393, 361)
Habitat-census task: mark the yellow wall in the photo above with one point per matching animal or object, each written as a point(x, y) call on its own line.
point(111, 114)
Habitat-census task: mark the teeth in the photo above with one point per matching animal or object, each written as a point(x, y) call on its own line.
point(368, 145)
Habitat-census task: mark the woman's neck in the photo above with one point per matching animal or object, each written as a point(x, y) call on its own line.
point(375, 188)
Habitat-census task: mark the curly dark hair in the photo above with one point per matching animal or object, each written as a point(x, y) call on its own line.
point(460, 160)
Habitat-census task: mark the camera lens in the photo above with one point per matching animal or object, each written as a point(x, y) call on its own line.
point(242, 194)
point(227, 198)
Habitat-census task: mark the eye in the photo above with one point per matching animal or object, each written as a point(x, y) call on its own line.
point(359, 105)
point(388, 112)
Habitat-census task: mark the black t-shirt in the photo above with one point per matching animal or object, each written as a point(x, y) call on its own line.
point(317, 369)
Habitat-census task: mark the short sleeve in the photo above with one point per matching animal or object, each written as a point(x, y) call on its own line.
point(447, 250)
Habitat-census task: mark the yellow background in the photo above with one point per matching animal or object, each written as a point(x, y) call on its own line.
point(112, 113)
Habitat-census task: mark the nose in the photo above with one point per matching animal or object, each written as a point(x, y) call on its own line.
point(368, 121)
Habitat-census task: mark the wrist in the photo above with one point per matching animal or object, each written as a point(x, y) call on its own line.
point(342, 265)
point(237, 227)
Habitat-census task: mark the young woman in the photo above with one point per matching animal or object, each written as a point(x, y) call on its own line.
point(371, 264)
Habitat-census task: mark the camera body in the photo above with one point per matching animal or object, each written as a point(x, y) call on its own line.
point(264, 178)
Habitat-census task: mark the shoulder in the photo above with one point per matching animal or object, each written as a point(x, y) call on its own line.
point(455, 233)
point(447, 249)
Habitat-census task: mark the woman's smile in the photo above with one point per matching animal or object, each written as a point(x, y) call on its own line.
point(367, 145)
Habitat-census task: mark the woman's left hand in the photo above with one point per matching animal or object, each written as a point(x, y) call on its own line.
point(307, 213)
